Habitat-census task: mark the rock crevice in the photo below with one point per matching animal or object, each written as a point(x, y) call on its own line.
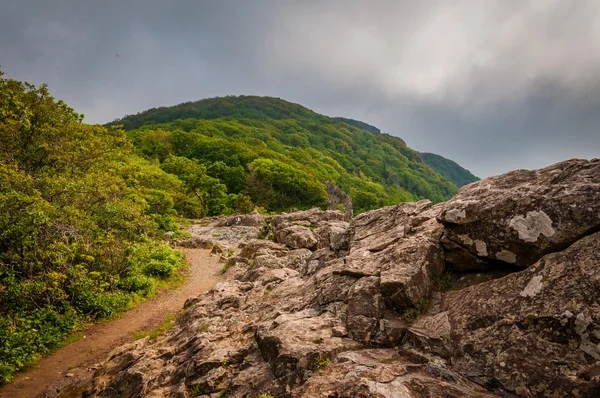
point(366, 308)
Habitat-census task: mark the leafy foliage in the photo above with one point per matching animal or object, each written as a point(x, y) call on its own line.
point(449, 169)
point(277, 154)
point(79, 212)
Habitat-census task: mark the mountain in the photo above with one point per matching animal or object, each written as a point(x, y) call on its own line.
point(446, 167)
point(278, 153)
point(359, 124)
point(449, 169)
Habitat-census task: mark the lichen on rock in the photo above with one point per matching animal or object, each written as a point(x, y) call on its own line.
point(338, 309)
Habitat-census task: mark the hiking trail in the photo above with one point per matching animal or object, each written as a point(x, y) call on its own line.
point(76, 361)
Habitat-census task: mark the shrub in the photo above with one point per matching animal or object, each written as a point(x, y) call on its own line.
point(152, 259)
point(139, 284)
point(77, 208)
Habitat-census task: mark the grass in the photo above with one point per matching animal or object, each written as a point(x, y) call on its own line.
point(268, 290)
point(225, 268)
point(157, 331)
point(196, 390)
point(411, 314)
point(441, 281)
point(264, 395)
point(320, 362)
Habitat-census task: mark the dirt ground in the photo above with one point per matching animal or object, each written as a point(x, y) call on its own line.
point(76, 361)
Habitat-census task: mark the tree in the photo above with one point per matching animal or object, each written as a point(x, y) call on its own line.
point(277, 185)
point(211, 193)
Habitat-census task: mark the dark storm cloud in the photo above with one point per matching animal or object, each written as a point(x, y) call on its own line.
point(494, 85)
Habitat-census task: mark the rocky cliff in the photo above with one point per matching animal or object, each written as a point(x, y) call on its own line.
point(493, 293)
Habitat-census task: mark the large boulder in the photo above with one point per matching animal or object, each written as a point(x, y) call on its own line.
point(531, 333)
point(293, 343)
point(519, 216)
point(383, 373)
point(226, 237)
point(297, 237)
point(307, 218)
point(401, 245)
point(311, 229)
point(253, 219)
point(329, 233)
point(259, 247)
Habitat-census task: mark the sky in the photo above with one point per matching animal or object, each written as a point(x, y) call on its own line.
point(493, 85)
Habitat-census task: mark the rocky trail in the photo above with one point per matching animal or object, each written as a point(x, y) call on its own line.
point(76, 362)
point(495, 293)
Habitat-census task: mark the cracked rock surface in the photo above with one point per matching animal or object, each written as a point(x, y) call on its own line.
point(339, 309)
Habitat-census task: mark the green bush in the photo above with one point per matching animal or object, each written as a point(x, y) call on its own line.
point(78, 211)
point(152, 259)
point(139, 284)
point(25, 336)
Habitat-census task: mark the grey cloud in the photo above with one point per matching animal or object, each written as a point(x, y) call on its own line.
point(494, 85)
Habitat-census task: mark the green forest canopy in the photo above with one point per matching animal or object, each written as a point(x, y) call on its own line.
point(242, 132)
point(449, 169)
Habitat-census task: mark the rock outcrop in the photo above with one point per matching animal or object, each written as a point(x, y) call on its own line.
point(337, 197)
point(253, 219)
point(337, 310)
point(518, 217)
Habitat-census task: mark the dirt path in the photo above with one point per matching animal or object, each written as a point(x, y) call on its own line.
point(50, 374)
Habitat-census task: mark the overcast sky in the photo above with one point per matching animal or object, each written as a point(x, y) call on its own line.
point(493, 85)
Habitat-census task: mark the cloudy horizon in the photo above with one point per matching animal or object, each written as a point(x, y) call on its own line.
point(492, 85)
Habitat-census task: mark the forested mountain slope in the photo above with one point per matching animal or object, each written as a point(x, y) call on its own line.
point(446, 167)
point(449, 169)
point(277, 154)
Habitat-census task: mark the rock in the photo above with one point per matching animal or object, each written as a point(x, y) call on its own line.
point(336, 197)
point(296, 237)
point(306, 218)
point(365, 306)
point(531, 333)
point(258, 247)
point(318, 260)
point(304, 322)
point(519, 216)
point(227, 237)
point(291, 354)
point(253, 219)
point(274, 277)
point(329, 233)
point(383, 373)
point(400, 244)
